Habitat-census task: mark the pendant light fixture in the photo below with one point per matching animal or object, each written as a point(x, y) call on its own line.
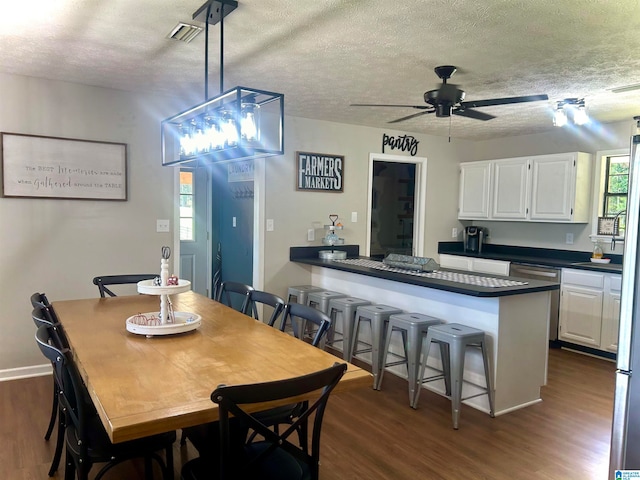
point(237, 124)
point(570, 107)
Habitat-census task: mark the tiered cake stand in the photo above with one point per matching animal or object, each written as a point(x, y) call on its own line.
point(166, 321)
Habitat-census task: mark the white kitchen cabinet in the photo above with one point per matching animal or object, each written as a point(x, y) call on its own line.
point(580, 315)
point(510, 189)
point(543, 188)
point(611, 313)
point(475, 183)
point(470, 264)
point(589, 308)
point(456, 262)
point(560, 188)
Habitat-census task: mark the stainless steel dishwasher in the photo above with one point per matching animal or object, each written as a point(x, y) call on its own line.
point(547, 274)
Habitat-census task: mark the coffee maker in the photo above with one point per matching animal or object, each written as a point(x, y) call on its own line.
point(473, 238)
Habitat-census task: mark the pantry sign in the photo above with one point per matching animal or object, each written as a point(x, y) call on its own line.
point(320, 172)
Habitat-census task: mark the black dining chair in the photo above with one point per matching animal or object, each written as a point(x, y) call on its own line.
point(201, 435)
point(307, 315)
point(87, 442)
point(258, 297)
point(287, 414)
point(42, 316)
point(274, 456)
point(233, 294)
point(102, 282)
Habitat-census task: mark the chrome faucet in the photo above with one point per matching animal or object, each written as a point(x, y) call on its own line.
point(615, 223)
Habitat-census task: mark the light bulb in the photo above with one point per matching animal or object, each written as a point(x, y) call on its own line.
point(249, 122)
point(228, 129)
point(559, 118)
point(580, 116)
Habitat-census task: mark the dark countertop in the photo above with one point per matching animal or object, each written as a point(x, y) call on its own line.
point(545, 257)
point(309, 256)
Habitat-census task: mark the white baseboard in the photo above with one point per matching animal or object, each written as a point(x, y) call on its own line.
point(25, 372)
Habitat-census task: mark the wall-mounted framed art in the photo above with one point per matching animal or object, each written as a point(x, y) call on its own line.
point(320, 172)
point(35, 166)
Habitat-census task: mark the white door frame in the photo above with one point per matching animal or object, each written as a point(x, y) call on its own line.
point(420, 202)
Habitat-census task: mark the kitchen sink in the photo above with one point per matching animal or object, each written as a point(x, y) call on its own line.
point(614, 267)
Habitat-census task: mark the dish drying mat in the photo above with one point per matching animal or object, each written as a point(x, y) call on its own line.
point(456, 277)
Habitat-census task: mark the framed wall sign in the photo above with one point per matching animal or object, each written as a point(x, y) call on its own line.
point(608, 226)
point(319, 172)
point(36, 166)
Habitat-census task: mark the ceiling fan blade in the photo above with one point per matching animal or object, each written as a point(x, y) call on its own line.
point(408, 117)
point(475, 114)
point(419, 107)
point(503, 101)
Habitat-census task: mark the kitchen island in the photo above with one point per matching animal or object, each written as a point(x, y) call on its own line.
point(513, 312)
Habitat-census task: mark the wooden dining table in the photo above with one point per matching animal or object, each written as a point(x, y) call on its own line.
point(146, 385)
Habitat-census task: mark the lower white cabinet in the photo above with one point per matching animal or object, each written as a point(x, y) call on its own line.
point(611, 313)
point(471, 264)
point(590, 308)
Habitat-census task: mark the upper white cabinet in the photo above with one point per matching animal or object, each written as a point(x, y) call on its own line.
point(510, 189)
point(560, 187)
point(475, 183)
point(544, 188)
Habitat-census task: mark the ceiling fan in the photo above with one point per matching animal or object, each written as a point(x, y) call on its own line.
point(449, 99)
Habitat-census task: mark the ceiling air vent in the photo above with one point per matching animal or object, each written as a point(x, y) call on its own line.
point(185, 32)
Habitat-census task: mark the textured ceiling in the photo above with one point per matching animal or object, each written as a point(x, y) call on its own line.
point(324, 55)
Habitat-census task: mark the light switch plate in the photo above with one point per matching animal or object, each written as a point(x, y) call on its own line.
point(162, 225)
point(269, 224)
point(311, 235)
point(354, 217)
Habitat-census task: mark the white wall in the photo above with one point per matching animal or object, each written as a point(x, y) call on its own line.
point(58, 246)
point(586, 139)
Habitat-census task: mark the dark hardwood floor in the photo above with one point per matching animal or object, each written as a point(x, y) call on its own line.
point(376, 435)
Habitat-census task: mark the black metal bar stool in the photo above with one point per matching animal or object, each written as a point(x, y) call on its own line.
point(456, 338)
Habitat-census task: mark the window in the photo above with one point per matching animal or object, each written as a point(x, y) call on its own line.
point(186, 205)
point(616, 186)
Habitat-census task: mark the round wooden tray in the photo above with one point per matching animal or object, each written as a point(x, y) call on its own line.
point(185, 322)
point(147, 287)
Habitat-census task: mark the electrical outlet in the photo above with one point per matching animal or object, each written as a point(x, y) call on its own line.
point(454, 233)
point(162, 226)
point(569, 239)
point(311, 235)
point(270, 225)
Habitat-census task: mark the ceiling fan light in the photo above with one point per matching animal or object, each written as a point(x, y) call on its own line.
point(559, 118)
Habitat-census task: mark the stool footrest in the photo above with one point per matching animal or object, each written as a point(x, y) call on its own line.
point(365, 350)
point(474, 396)
point(393, 364)
point(433, 378)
